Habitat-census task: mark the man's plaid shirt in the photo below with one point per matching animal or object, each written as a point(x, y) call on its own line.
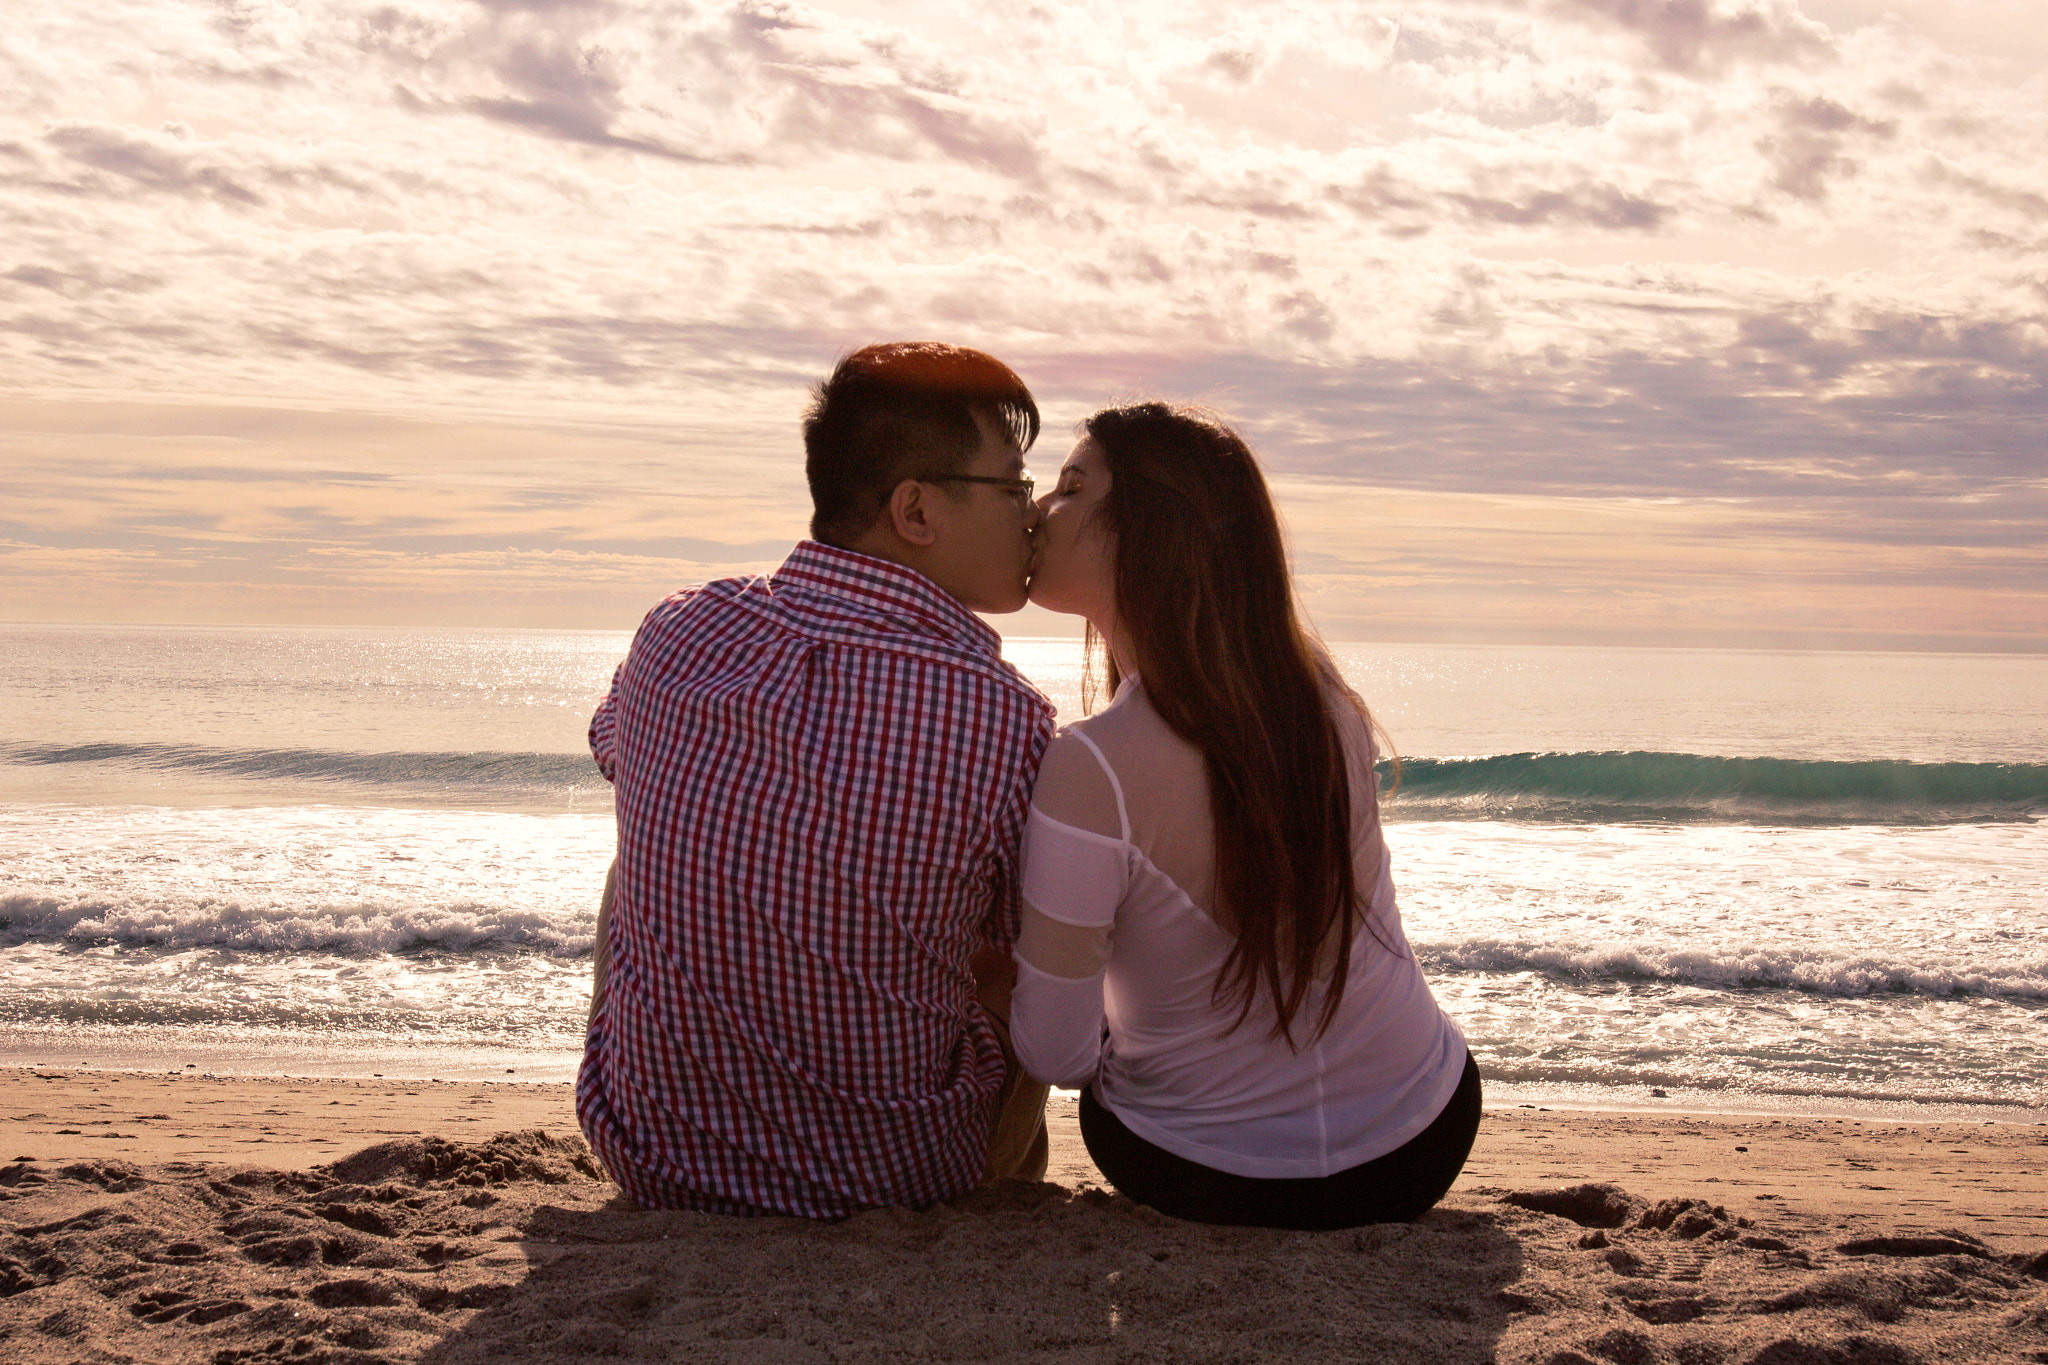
point(822, 778)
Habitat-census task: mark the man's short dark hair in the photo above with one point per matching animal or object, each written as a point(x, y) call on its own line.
point(895, 411)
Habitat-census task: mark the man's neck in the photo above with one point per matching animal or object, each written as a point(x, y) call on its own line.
point(879, 543)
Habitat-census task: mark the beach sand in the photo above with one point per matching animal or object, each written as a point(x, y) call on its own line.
point(175, 1218)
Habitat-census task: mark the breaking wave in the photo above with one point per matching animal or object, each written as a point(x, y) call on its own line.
point(1812, 972)
point(1570, 787)
point(1697, 789)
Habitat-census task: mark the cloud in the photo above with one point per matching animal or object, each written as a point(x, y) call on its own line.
point(1796, 404)
point(1592, 206)
point(734, 85)
point(1686, 35)
point(132, 159)
point(549, 81)
point(1807, 148)
point(2030, 205)
point(1548, 249)
point(82, 279)
point(250, 474)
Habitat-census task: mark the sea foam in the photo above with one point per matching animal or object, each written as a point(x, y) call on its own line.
point(1818, 972)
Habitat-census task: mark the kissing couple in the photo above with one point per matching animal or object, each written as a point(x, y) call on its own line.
point(867, 905)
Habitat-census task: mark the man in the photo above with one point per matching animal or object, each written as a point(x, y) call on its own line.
point(821, 779)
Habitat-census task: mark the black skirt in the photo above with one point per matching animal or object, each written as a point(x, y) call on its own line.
point(1394, 1188)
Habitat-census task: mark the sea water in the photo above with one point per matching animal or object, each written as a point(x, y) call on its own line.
point(1802, 881)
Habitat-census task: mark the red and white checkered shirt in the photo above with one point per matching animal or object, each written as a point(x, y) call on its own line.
point(822, 778)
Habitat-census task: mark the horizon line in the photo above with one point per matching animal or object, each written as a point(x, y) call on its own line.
point(1760, 644)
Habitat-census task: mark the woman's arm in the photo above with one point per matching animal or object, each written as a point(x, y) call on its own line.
point(1056, 1014)
point(1076, 869)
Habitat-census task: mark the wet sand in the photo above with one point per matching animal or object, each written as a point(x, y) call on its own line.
point(196, 1218)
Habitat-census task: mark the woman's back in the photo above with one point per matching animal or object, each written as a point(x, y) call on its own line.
point(1120, 872)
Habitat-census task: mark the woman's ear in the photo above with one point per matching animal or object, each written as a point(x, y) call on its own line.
point(911, 514)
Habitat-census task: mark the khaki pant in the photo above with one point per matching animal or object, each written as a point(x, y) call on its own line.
point(1017, 1146)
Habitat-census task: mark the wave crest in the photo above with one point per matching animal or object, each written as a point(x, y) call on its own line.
point(361, 927)
point(1695, 788)
point(399, 769)
point(1603, 787)
point(1810, 972)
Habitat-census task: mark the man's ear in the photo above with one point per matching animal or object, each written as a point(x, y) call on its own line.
point(911, 514)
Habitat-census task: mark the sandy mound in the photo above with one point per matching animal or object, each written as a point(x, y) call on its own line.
point(530, 1157)
point(509, 1250)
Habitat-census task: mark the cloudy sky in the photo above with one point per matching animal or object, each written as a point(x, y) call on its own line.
point(1655, 321)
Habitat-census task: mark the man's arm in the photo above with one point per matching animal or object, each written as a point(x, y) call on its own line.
point(995, 976)
point(995, 970)
point(604, 729)
point(601, 946)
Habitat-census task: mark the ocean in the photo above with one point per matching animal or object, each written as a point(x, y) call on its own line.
point(1640, 878)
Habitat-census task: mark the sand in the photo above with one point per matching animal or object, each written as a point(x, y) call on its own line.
point(194, 1218)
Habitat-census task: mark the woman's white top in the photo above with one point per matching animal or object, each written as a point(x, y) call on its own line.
point(1119, 954)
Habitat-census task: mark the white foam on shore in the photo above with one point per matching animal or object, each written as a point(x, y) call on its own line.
point(1861, 964)
point(344, 879)
point(1844, 911)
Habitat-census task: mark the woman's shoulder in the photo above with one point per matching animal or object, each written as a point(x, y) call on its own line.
point(1076, 786)
point(1130, 721)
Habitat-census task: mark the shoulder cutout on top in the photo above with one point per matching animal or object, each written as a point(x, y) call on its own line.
point(1076, 787)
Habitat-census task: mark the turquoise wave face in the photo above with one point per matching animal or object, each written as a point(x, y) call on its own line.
point(336, 765)
point(1694, 789)
point(194, 774)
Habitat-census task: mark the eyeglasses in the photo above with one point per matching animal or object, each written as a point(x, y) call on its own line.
point(1019, 488)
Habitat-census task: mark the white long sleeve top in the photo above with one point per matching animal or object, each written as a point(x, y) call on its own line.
point(1121, 946)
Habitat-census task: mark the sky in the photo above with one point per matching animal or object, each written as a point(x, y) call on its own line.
point(1657, 322)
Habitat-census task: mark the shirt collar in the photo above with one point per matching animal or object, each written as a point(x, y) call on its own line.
point(885, 588)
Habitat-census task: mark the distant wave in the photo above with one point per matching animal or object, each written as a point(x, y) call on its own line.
point(1695, 789)
point(1814, 972)
point(1566, 787)
point(395, 770)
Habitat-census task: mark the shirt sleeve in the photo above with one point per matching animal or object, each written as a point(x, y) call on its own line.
point(604, 729)
point(1000, 925)
point(1074, 880)
point(1056, 1025)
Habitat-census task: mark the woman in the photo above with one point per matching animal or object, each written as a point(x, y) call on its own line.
point(1210, 944)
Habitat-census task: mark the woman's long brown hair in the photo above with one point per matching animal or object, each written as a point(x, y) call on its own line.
point(1206, 609)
